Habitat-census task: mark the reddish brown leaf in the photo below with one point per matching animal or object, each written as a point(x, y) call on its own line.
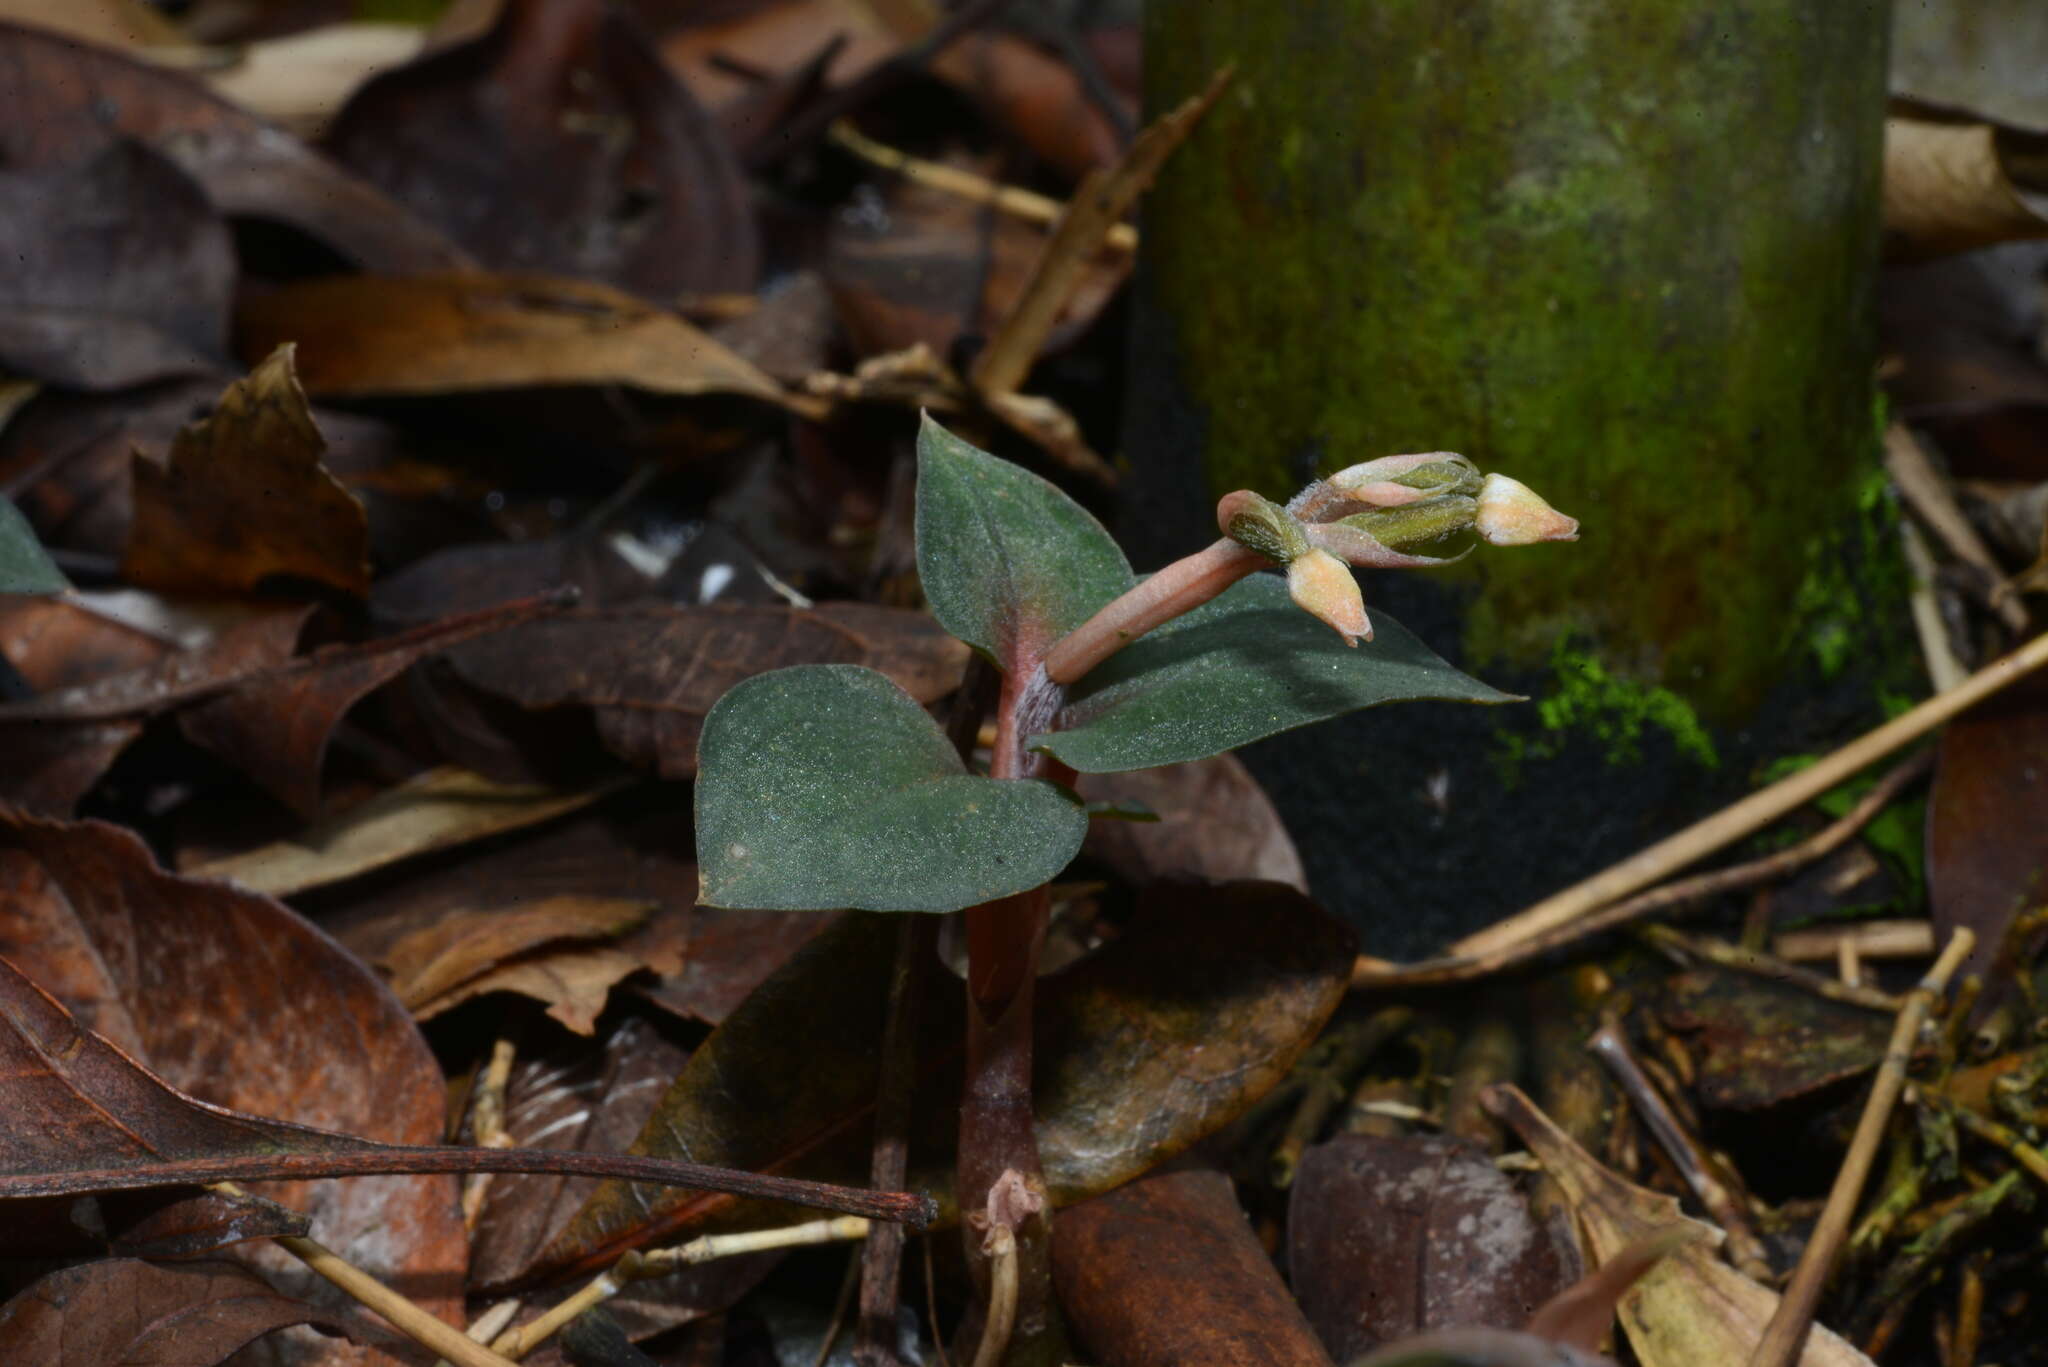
point(731, 953)
point(1757, 1042)
point(244, 497)
point(132, 272)
point(559, 142)
point(139, 1314)
point(1987, 856)
point(1035, 96)
point(442, 334)
point(932, 266)
point(1389, 1237)
point(55, 642)
point(59, 744)
point(1166, 1272)
point(1215, 822)
point(652, 670)
point(236, 1000)
point(67, 99)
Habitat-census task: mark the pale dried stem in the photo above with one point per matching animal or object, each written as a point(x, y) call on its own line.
point(1758, 964)
point(1686, 892)
point(517, 1343)
point(1184, 585)
point(1756, 811)
point(1786, 1333)
point(488, 1126)
point(936, 175)
point(404, 1316)
point(1002, 1297)
point(1944, 670)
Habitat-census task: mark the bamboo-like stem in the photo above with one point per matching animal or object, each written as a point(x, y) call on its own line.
point(1786, 1333)
point(1757, 810)
point(1184, 585)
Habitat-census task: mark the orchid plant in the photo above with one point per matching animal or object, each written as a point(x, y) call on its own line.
point(826, 787)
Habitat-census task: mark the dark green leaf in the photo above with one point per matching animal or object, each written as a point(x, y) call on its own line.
point(25, 567)
point(1245, 666)
point(1158, 1039)
point(827, 786)
point(1009, 563)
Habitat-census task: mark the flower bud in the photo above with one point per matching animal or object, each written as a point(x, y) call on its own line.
point(1392, 481)
point(1513, 514)
point(1322, 586)
point(1261, 525)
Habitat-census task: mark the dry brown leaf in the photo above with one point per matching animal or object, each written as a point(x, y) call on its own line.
point(361, 335)
point(1949, 187)
point(1691, 1309)
point(574, 983)
point(107, 23)
point(301, 80)
point(1215, 822)
point(244, 498)
point(438, 958)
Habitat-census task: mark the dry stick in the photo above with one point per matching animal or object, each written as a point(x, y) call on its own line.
point(1329, 1084)
point(1002, 1296)
point(1757, 810)
point(1684, 893)
point(881, 1269)
point(1969, 1315)
point(936, 175)
point(1099, 203)
point(409, 1319)
point(1761, 965)
point(1745, 1249)
point(1873, 940)
point(489, 1126)
point(633, 1267)
point(1928, 495)
point(1787, 1331)
point(1944, 670)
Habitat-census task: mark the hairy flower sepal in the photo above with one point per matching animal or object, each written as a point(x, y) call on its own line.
point(827, 786)
point(1321, 585)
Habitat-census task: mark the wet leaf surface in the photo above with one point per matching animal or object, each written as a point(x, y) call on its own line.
point(1390, 1237)
point(1009, 562)
point(1142, 1049)
point(140, 1314)
point(1759, 1043)
point(244, 498)
point(1166, 1271)
point(85, 97)
point(827, 786)
point(134, 272)
point(1986, 859)
point(652, 671)
point(1246, 665)
point(558, 142)
point(366, 335)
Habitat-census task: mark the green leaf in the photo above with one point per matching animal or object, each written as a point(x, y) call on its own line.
point(1009, 563)
point(25, 567)
point(827, 786)
point(1244, 666)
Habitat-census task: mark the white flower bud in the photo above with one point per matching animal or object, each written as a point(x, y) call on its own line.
point(1513, 514)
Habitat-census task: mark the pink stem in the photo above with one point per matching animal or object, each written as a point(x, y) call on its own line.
point(1185, 584)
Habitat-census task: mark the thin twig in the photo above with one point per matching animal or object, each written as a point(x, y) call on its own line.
point(1927, 494)
point(1944, 670)
point(636, 1266)
point(1002, 1296)
point(488, 1126)
point(1100, 202)
point(838, 1320)
point(1684, 893)
point(1786, 1333)
point(937, 175)
point(1873, 940)
point(1757, 810)
point(1761, 965)
point(1329, 1084)
point(882, 1258)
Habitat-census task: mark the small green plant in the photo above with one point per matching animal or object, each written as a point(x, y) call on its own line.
point(823, 787)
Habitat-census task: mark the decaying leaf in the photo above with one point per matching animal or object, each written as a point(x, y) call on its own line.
point(54, 641)
point(1691, 1309)
point(1142, 1048)
point(141, 1314)
point(1759, 1042)
point(121, 272)
point(435, 960)
point(71, 100)
point(1951, 187)
point(731, 953)
point(1215, 822)
point(362, 335)
point(558, 142)
point(1390, 1237)
point(244, 498)
point(1166, 1271)
point(575, 981)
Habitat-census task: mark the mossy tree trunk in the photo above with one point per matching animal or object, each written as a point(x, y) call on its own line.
point(1620, 249)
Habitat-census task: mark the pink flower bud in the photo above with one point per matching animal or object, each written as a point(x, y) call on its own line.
point(1513, 514)
point(1322, 586)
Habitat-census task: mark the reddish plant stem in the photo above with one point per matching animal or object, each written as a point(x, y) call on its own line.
point(1185, 584)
